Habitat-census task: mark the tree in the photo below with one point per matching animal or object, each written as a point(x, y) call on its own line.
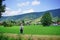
point(2, 7)
point(4, 24)
point(46, 19)
point(54, 19)
point(58, 20)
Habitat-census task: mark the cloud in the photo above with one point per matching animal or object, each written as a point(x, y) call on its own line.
point(28, 3)
point(8, 8)
point(35, 2)
point(23, 4)
point(28, 11)
point(10, 12)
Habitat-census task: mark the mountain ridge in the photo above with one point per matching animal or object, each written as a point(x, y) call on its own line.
point(32, 15)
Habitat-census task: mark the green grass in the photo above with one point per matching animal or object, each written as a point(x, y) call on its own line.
point(33, 29)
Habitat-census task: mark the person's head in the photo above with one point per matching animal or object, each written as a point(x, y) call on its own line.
point(21, 24)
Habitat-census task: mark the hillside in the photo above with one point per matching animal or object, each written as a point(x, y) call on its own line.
point(31, 16)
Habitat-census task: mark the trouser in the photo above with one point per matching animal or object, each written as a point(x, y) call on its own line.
point(21, 31)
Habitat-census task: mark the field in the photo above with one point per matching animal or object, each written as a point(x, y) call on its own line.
point(31, 32)
point(32, 29)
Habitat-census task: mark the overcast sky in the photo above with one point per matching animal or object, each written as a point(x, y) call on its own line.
point(18, 7)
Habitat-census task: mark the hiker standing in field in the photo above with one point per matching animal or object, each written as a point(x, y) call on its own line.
point(21, 28)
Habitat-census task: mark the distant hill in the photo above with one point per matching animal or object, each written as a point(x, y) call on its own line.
point(33, 15)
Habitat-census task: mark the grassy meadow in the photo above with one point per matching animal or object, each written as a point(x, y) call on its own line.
point(31, 32)
point(32, 29)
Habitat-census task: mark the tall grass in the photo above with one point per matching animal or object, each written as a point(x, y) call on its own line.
point(20, 37)
point(5, 37)
point(2, 37)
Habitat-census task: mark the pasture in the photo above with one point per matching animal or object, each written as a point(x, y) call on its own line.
point(32, 29)
point(31, 32)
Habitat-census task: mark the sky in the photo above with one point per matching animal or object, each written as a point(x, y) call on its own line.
point(18, 7)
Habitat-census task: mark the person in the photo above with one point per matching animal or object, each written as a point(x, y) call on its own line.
point(21, 28)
